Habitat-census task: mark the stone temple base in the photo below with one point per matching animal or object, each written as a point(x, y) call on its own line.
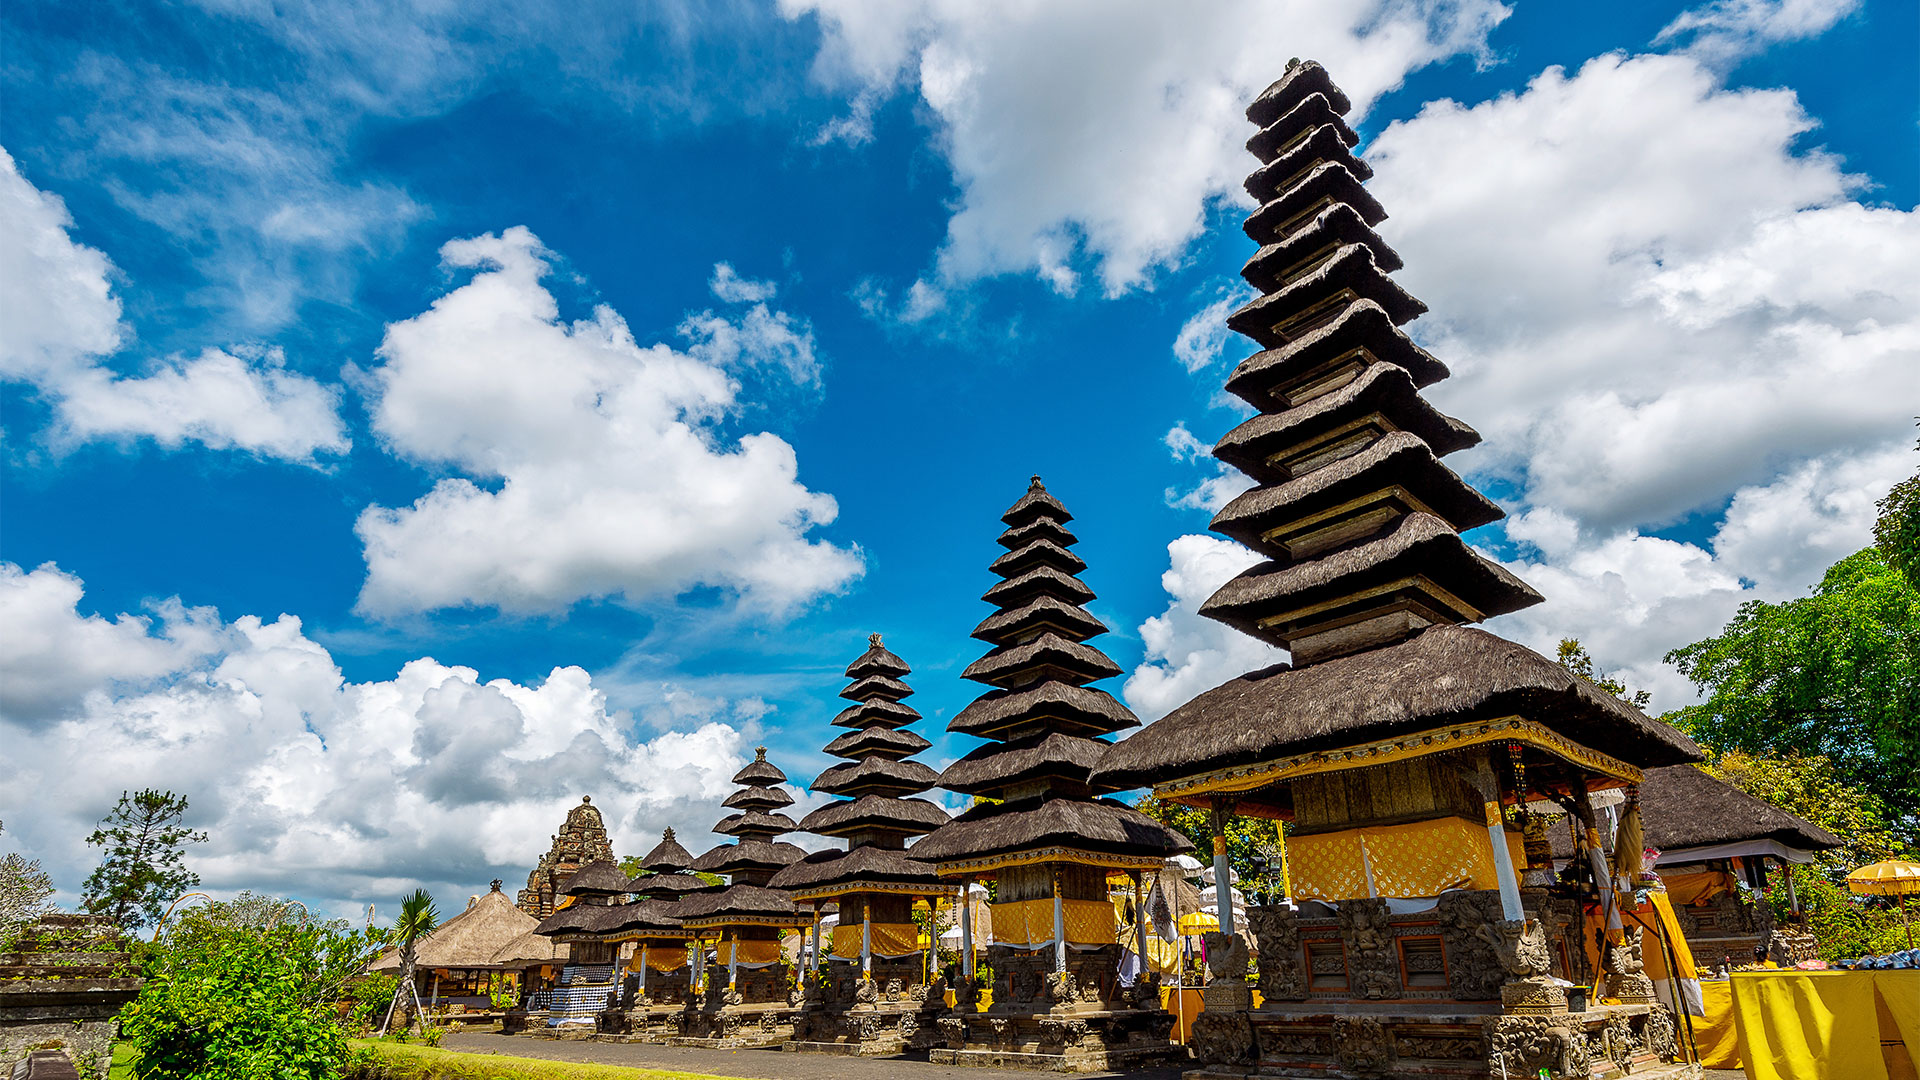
point(1078, 1039)
point(735, 1027)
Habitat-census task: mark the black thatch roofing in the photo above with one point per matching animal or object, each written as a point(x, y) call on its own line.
point(857, 866)
point(876, 774)
point(1275, 265)
point(877, 660)
point(667, 856)
point(1349, 272)
point(1040, 581)
point(1034, 505)
point(1442, 676)
point(877, 688)
point(1328, 181)
point(1321, 144)
point(1038, 529)
point(574, 919)
point(757, 797)
point(1381, 388)
point(760, 770)
point(1081, 708)
point(738, 901)
point(1068, 620)
point(1399, 460)
point(666, 885)
point(1363, 324)
point(747, 855)
point(1683, 807)
point(871, 813)
point(995, 766)
point(642, 916)
point(1041, 552)
point(597, 878)
point(876, 742)
point(1050, 655)
point(1313, 111)
point(754, 821)
point(1098, 825)
point(892, 714)
point(1303, 79)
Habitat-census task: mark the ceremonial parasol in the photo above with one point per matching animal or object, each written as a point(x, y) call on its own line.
point(1891, 878)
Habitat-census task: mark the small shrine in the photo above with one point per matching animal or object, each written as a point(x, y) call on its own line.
point(878, 994)
point(748, 998)
point(1049, 846)
point(582, 839)
point(1424, 932)
point(660, 979)
point(587, 922)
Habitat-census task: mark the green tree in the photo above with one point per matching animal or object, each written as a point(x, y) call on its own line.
point(1812, 788)
point(1247, 837)
point(1897, 531)
point(1574, 657)
point(418, 918)
point(142, 869)
point(24, 889)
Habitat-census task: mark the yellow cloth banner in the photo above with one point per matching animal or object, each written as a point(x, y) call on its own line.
point(1420, 858)
point(1682, 956)
point(1030, 922)
point(889, 940)
point(663, 959)
point(1161, 956)
point(1827, 1025)
point(1698, 886)
point(1714, 1034)
point(751, 952)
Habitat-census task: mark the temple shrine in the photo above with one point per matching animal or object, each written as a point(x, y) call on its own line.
point(582, 839)
point(1425, 932)
point(661, 968)
point(749, 998)
point(1041, 836)
point(877, 994)
point(588, 922)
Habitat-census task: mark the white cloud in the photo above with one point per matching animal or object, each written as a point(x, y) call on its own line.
point(1093, 135)
point(604, 474)
point(61, 320)
point(1186, 653)
point(1727, 30)
point(1211, 493)
point(729, 286)
point(313, 785)
point(1204, 336)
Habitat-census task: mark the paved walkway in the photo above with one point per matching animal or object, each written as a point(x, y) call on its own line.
point(754, 1064)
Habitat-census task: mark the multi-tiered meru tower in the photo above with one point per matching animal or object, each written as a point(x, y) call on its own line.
point(1407, 749)
point(874, 997)
point(749, 998)
point(1040, 833)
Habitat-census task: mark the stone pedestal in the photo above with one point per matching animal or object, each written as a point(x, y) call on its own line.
point(60, 989)
point(759, 1011)
point(1079, 1020)
point(888, 1014)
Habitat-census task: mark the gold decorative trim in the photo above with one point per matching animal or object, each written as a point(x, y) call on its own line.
point(988, 863)
point(1418, 744)
point(831, 891)
point(721, 922)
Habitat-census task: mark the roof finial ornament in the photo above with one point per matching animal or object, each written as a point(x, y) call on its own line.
point(873, 640)
point(497, 883)
point(1035, 484)
point(666, 835)
point(759, 753)
point(1293, 63)
point(585, 799)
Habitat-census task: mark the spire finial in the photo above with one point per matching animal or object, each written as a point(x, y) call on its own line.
point(497, 883)
point(666, 835)
point(873, 640)
point(1035, 484)
point(585, 799)
point(759, 753)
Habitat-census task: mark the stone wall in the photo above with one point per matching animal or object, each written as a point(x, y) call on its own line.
point(60, 990)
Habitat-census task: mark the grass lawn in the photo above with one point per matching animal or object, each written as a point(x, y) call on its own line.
point(394, 1061)
point(123, 1058)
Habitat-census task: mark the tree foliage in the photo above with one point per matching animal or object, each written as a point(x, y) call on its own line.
point(24, 892)
point(1812, 788)
point(141, 870)
point(1247, 837)
point(1575, 658)
point(1897, 532)
point(418, 917)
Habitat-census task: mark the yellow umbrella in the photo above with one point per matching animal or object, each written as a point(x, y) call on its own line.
point(1891, 878)
point(1199, 922)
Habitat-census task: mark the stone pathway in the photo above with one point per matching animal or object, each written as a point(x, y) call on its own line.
point(752, 1064)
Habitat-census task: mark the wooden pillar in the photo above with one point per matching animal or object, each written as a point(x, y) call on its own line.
point(813, 965)
point(733, 959)
point(1059, 927)
point(1503, 872)
point(1139, 923)
point(966, 927)
point(643, 967)
point(866, 938)
point(1219, 811)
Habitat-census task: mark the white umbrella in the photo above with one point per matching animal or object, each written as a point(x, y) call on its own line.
point(1187, 865)
point(1233, 876)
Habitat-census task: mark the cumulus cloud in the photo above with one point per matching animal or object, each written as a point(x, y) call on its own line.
point(61, 321)
point(313, 785)
point(1729, 30)
point(593, 466)
point(1211, 493)
point(1094, 136)
point(1204, 337)
point(1186, 653)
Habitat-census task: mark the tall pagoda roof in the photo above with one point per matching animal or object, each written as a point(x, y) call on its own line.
point(760, 770)
point(750, 860)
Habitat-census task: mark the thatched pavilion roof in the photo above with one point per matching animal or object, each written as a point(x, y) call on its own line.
point(597, 878)
point(470, 940)
point(1682, 807)
point(667, 856)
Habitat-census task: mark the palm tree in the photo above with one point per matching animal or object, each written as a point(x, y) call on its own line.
point(418, 918)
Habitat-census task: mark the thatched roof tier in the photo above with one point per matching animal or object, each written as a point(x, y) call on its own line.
point(600, 921)
point(1007, 714)
point(597, 878)
point(645, 917)
point(760, 770)
point(1096, 825)
point(757, 797)
point(1445, 675)
point(755, 823)
point(1313, 111)
point(1397, 475)
point(1034, 505)
point(877, 660)
point(1038, 529)
point(1683, 807)
point(876, 775)
point(1325, 183)
point(861, 869)
point(1036, 554)
point(668, 856)
point(1326, 358)
point(1040, 581)
point(1280, 263)
point(747, 855)
point(1274, 447)
point(739, 904)
point(877, 688)
point(1317, 294)
point(878, 712)
point(529, 949)
point(665, 886)
point(876, 742)
point(1042, 614)
point(1321, 144)
point(1048, 656)
point(998, 766)
point(1303, 79)
point(875, 813)
point(474, 938)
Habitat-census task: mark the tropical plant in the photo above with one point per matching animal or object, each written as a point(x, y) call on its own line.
point(142, 868)
point(418, 917)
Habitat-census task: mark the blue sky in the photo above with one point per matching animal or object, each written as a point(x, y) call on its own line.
point(962, 245)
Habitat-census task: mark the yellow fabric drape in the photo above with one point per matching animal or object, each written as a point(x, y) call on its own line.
point(1682, 955)
point(1030, 922)
point(1161, 956)
point(1420, 858)
point(1714, 1034)
point(1826, 1025)
point(751, 952)
point(1698, 886)
point(889, 940)
point(665, 958)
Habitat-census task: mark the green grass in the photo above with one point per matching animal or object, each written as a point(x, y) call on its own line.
point(123, 1059)
point(392, 1061)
